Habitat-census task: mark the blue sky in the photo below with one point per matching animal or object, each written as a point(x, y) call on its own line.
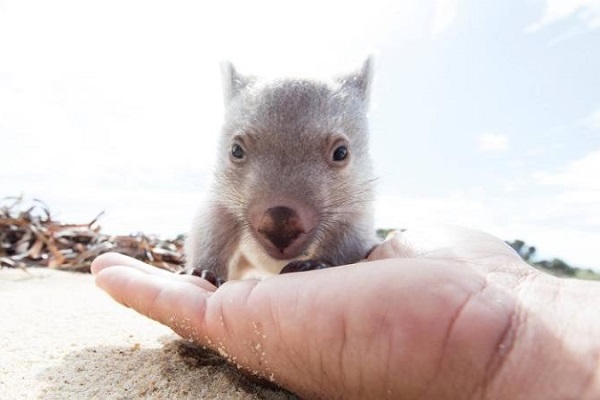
point(484, 113)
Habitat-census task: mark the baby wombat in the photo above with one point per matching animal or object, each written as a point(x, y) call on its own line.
point(293, 185)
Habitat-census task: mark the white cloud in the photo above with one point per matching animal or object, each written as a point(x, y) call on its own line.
point(577, 202)
point(579, 175)
point(444, 14)
point(587, 12)
point(592, 121)
point(557, 229)
point(559, 213)
point(492, 142)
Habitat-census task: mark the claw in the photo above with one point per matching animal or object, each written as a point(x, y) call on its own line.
point(304, 265)
point(207, 275)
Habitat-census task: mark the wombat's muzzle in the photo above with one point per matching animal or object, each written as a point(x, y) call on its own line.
point(283, 231)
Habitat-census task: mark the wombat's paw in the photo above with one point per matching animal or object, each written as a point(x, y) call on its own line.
point(304, 265)
point(206, 274)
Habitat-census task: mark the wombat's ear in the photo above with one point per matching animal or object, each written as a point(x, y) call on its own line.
point(233, 81)
point(360, 80)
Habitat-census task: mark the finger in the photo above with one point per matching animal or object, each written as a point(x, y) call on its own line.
point(112, 259)
point(451, 243)
point(177, 304)
point(444, 242)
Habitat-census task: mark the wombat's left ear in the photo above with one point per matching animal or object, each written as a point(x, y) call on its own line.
point(233, 81)
point(360, 80)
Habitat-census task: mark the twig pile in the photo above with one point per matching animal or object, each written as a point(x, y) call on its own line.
point(29, 236)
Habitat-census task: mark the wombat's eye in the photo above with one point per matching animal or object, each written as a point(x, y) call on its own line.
point(237, 151)
point(340, 153)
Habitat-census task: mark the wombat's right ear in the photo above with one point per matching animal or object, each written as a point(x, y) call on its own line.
point(233, 82)
point(360, 80)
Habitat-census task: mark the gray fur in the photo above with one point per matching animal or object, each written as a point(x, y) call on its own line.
point(287, 127)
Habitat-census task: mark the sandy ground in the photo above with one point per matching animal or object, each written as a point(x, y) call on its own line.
point(63, 338)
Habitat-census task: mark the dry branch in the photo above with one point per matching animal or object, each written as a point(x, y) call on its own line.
point(29, 236)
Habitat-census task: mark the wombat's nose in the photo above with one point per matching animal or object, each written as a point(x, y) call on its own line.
point(281, 226)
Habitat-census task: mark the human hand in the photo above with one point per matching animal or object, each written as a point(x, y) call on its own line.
point(438, 313)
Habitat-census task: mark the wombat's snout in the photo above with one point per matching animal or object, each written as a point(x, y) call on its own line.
point(283, 231)
point(281, 226)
